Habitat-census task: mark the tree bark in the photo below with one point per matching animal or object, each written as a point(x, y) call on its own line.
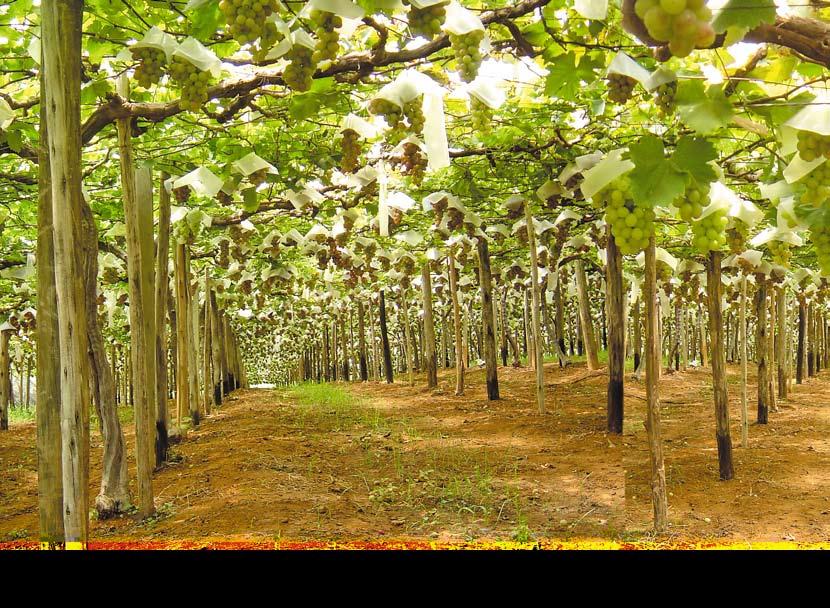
point(652, 356)
point(719, 383)
point(585, 316)
point(616, 337)
point(802, 322)
point(162, 288)
point(62, 25)
point(5, 379)
point(384, 339)
point(744, 364)
point(761, 349)
point(361, 338)
point(430, 359)
point(456, 317)
point(538, 358)
point(114, 497)
point(487, 320)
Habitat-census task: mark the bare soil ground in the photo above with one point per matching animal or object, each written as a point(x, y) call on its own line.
point(400, 462)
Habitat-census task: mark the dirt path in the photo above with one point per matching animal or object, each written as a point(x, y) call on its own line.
point(399, 462)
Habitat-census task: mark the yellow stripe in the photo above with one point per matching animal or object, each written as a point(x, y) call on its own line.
point(74, 545)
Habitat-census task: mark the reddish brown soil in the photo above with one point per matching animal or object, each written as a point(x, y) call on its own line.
point(409, 463)
point(781, 488)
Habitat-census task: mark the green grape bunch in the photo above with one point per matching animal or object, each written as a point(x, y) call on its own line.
point(481, 115)
point(414, 112)
point(193, 82)
point(664, 97)
point(246, 19)
point(736, 237)
point(269, 37)
point(414, 162)
point(151, 65)
point(620, 87)
point(427, 22)
point(328, 38)
point(820, 235)
point(683, 24)
point(350, 145)
point(391, 112)
point(465, 48)
point(693, 201)
point(299, 74)
point(816, 186)
point(631, 224)
point(709, 233)
point(812, 145)
point(781, 252)
point(258, 177)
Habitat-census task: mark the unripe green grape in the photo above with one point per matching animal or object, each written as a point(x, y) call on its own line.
point(673, 7)
point(664, 97)
point(414, 112)
point(481, 115)
point(390, 111)
point(150, 68)
point(631, 225)
point(708, 233)
point(351, 151)
point(683, 24)
point(816, 186)
point(192, 81)
point(325, 28)
point(781, 252)
point(299, 74)
point(620, 87)
point(465, 47)
point(427, 21)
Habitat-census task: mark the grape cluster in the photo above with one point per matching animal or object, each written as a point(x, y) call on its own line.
point(182, 194)
point(465, 47)
point(631, 224)
point(192, 81)
point(299, 74)
point(812, 145)
point(820, 235)
point(736, 236)
point(391, 112)
point(351, 151)
point(684, 24)
point(258, 176)
point(246, 19)
point(664, 97)
point(414, 112)
point(663, 272)
point(223, 257)
point(328, 38)
point(816, 185)
point(693, 201)
point(781, 252)
point(481, 115)
point(709, 232)
point(151, 65)
point(427, 21)
point(270, 36)
point(414, 162)
point(620, 87)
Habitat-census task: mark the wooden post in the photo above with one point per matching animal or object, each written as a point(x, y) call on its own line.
point(456, 316)
point(431, 361)
point(719, 383)
point(538, 358)
point(487, 319)
point(161, 289)
point(652, 423)
point(585, 316)
point(384, 338)
point(61, 28)
point(802, 322)
point(182, 350)
point(5, 379)
point(361, 338)
point(761, 349)
point(407, 339)
point(616, 336)
point(744, 365)
point(207, 353)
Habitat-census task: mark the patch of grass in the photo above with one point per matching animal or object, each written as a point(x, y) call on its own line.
point(17, 534)
point(522, 533)
point(21, 414)
point(334, 407)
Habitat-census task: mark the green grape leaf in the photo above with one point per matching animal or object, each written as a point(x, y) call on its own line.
point(704, 110)
point(692, 155)
point(250, 201)
point(565, 76)
point(744, 14)
point(654, 179)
